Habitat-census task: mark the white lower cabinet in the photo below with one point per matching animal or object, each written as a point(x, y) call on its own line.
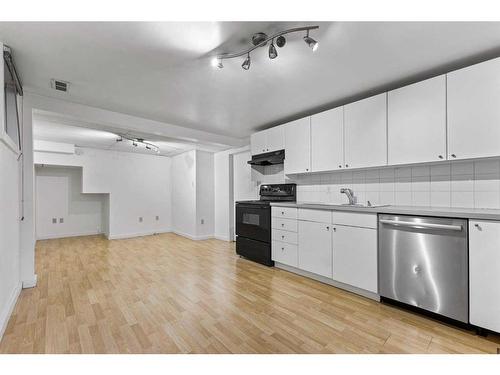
point(285, 253)
point(484, 274)
point(355, 257)
point(315, 247)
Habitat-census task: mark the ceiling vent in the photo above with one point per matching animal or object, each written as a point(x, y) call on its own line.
point(59, 85)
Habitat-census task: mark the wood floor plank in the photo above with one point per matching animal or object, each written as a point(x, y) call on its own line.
point(169, 294)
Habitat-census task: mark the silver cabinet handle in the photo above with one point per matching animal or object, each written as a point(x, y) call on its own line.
point(440, 156)
point(340, 166)
point(282, 224)
point(410, 224)
point(453, 155)
point(327, 228)
point(334, 229)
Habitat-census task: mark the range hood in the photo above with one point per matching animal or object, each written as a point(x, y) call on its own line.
point(269, 158)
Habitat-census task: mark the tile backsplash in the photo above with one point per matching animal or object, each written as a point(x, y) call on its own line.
point(469, 184)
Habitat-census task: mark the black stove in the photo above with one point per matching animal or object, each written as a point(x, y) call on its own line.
point(253, 222)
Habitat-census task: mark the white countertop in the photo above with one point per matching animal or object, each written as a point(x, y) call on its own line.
point(465, 213)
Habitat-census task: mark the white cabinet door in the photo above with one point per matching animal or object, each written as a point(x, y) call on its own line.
point(474, 111)
point(275, 138)
point(484, 274)
point(365, 132)
point(416, 122)
point(315, 248)
point(327, 140)
point(298, 146)
point(355, 257)
point(258, 143)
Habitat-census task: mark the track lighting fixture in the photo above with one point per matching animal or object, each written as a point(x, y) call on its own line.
point(261, 40)
point(139, 141)
point(311, 42)
point(246, 63)
point(272, 51)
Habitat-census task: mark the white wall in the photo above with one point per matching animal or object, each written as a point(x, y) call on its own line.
point(58, 192)
point(193, 194)
point(10, 280)
point(184, 194)
point(204, 194)
point(223, 194)
point(139, 186)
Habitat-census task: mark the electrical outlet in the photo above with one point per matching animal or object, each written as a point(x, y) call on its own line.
point(157, 218)
point(61, 220)
point(54, 220)
point(140, 219)
point(203, 221)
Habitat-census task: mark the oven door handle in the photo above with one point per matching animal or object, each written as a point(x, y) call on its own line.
point(409, 224)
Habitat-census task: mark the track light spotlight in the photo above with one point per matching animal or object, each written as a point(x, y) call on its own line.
point(119, 139)
point(246, 63)
point(272, 50)
point(311, 42)
point(216, 62)
point(134, 144)
point(280, 41)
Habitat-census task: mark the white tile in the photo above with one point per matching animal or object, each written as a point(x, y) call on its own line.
point(486, 167)
point(358, 176)
point(440, 170)
point(402, 185)
point(420, 171)
point(372, 174)
point(402, 173)
point(487, 183)
point(346, 178)
point(462, 183)
point(373, 197)
point(440, 198)
point(403, 198)
point(387, 185)
point(440, 184)
point(421, 183)
point(462, 168)
point(421, 198)
point(360, 197)
point(486, 199)
point(372, 185)
point(387, 197)
point(462, 199)
point(387, 173)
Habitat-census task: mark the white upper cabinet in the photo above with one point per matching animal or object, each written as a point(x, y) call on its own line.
point(474, 111)
point(416, 122)
point(272, 139)
point(365, 132)
point(327, 140)
point(298, 146)
point(484, 274)
point(258, 142)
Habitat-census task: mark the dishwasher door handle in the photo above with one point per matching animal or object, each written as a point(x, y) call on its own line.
point(410, 224)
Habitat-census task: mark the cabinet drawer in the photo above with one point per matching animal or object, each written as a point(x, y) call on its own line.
point(319, 216)
point(284, 224)
point(284, 212)
point(284, 236)
point(285, 253)
point(355, 219)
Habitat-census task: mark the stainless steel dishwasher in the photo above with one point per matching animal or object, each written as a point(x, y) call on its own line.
point(423, 261)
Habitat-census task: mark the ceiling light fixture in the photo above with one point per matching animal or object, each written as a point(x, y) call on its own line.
point(246, 63)
point(261, 40)
point(272, 51)
point(139, 141)
point(311, 42)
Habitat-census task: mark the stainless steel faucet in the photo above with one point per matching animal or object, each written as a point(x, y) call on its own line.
point(349, 193)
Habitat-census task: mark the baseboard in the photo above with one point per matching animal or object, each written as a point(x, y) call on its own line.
point(222, 238)
point(67, 235)
point(137, 234)
point(326, 280)
point(194, 238)
point(30, 283)
point(9, 307)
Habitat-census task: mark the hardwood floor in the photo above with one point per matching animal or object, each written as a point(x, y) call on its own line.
point(168, 294)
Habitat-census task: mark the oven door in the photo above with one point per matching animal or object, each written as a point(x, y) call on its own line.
point(253, 221)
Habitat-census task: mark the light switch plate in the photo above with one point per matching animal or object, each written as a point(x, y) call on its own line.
point(54, 220)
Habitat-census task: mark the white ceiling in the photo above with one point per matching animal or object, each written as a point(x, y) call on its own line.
point(162, 71)
point(55, 128)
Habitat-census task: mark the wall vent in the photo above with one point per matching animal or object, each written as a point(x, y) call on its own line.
point(59, 85)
